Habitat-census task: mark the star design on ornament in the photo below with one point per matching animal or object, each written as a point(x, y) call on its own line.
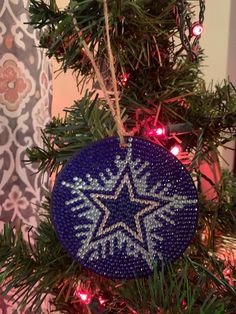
point(146, 207)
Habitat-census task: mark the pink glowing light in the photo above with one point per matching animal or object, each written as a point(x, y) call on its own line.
point(175, 150)
point(83, 296)
point(124, 78)
point(197, 29)
point(160, 131)
point(157, 132)
point(101, 300)
point(151, 132)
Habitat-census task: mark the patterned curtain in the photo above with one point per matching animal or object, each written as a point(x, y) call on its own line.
point(25, 98)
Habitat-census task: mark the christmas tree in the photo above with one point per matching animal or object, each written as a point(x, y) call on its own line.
point(113, 156)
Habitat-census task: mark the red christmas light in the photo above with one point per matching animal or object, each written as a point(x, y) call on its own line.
point(175, 150)
point(157, 132)
point(101, 300)
point(160, 131)
point(197, 29)
point(124, 78)
point(85, 297)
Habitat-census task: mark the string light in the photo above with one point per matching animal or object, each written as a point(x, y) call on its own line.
point(157, 132)
point(175, 150)
point(160, 131)
point(124, 78)
point(197, 29)
point(101, 300)
point(165, 131)
point(85, 297)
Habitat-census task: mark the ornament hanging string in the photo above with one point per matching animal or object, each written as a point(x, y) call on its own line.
point(120, 125)
point(116, 112)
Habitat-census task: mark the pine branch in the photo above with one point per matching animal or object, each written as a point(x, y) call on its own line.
point(181, 288)
point(31, 272)
point(86, 121)
point(153, 24)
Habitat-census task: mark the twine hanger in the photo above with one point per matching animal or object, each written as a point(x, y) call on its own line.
point(114, 108)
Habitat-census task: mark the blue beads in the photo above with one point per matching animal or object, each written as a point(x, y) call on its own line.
point(118, 211)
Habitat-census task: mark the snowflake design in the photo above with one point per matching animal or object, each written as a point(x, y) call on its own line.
point(156, 205)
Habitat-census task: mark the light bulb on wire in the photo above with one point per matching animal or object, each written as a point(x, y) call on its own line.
point(124, 78)
point(85, 297)
point(197, 29)
point(175, 150)
point(165, 131)
point(160, 131)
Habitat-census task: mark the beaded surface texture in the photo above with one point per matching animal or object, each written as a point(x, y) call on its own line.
point(119, 211)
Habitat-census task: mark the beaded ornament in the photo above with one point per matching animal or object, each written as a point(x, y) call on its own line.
point(119, 211)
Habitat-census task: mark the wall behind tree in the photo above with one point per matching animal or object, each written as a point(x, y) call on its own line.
point(231, 64)
point(215, 39)
point(219, 43)
point(64, 84)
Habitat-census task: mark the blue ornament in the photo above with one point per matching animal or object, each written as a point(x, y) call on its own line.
point(119, 211)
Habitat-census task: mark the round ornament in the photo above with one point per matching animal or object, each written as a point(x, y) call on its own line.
point(119, 211)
